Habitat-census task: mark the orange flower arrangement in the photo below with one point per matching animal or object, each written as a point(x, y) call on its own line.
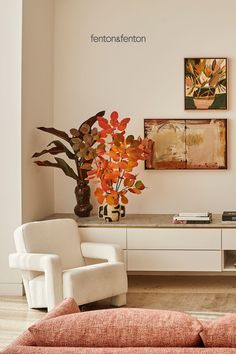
point(116, 157)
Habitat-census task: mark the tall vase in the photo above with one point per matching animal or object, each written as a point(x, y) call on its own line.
point(82, 193)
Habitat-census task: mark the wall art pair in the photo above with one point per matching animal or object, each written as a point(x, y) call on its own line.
point(193, 143)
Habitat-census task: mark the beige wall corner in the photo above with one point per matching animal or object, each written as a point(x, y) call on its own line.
point(37, 105)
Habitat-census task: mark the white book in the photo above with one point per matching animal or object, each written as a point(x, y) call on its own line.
point(205, 213)
point(193, 218)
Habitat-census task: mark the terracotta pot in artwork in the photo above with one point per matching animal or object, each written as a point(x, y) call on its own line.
point(204, 97)
point(82, 193)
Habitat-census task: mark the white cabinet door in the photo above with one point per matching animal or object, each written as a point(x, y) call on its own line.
point(104, 235)
point(154, 238)
point(229, 239)
point(160, 260)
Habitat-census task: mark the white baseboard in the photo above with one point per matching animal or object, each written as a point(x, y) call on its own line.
point(11, 289)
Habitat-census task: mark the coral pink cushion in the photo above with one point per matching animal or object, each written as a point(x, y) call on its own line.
point(220, 332)
point(119, 328)
point(130, 350)
point(67, 306)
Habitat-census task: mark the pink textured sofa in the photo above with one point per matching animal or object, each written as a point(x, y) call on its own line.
point(133, 331)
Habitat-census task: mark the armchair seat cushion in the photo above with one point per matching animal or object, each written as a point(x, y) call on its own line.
point(99, 282)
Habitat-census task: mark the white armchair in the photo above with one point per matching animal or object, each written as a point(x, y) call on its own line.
point(50, 256)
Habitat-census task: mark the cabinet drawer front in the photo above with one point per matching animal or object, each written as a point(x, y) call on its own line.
point(160, 260)
point(104, 235)
point(208, 239)
point(229, 239)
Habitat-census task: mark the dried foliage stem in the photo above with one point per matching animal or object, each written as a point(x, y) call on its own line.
point(117, 156)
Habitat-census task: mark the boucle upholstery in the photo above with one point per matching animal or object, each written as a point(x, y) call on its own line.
point(119, 328)
point(25, 344)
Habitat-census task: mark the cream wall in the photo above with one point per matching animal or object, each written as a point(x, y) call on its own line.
point(144, 81)
point(37, 106)
point(10, 138)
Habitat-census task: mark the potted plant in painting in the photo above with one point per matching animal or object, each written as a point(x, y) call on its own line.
point(116, 157)
point(205, 79)
point(81, 151)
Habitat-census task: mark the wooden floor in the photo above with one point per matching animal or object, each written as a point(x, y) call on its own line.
point(15, 317)
point(215, 294)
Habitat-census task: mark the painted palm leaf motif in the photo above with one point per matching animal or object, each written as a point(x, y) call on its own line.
point(206, 83)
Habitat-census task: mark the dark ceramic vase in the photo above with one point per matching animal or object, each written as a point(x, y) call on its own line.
point(82, 193)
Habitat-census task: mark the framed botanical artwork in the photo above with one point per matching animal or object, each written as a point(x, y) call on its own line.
point(186, 143)
point(205, 83)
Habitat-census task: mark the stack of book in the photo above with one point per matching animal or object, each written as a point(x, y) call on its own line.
point(193, 218)
point(229, 216)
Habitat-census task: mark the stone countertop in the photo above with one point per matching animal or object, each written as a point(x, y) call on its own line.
point(144, 220)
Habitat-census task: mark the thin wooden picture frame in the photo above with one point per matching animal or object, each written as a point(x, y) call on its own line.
point(191, 144)
point(206, 83)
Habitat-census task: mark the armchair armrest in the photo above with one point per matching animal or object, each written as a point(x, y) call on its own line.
point(111, 252)
point(50, 264)
point(32, 261)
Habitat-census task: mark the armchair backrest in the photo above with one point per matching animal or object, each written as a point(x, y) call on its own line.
point(59, 236)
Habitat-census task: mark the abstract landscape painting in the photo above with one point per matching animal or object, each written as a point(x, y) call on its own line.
point(187, 143)
point(205, 83)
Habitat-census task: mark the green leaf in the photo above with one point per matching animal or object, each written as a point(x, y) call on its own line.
point(56, 132)
point(66, 168)
point(63, 148)
point(46, 163)
point(52, 151)
point(57, 149)
point(60, 164)
point(139, 185)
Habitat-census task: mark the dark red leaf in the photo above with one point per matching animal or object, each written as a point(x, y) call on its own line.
point(123, 124)
point(114, 119)
point(103, 123)
point(56, 132)
point(53, 151)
